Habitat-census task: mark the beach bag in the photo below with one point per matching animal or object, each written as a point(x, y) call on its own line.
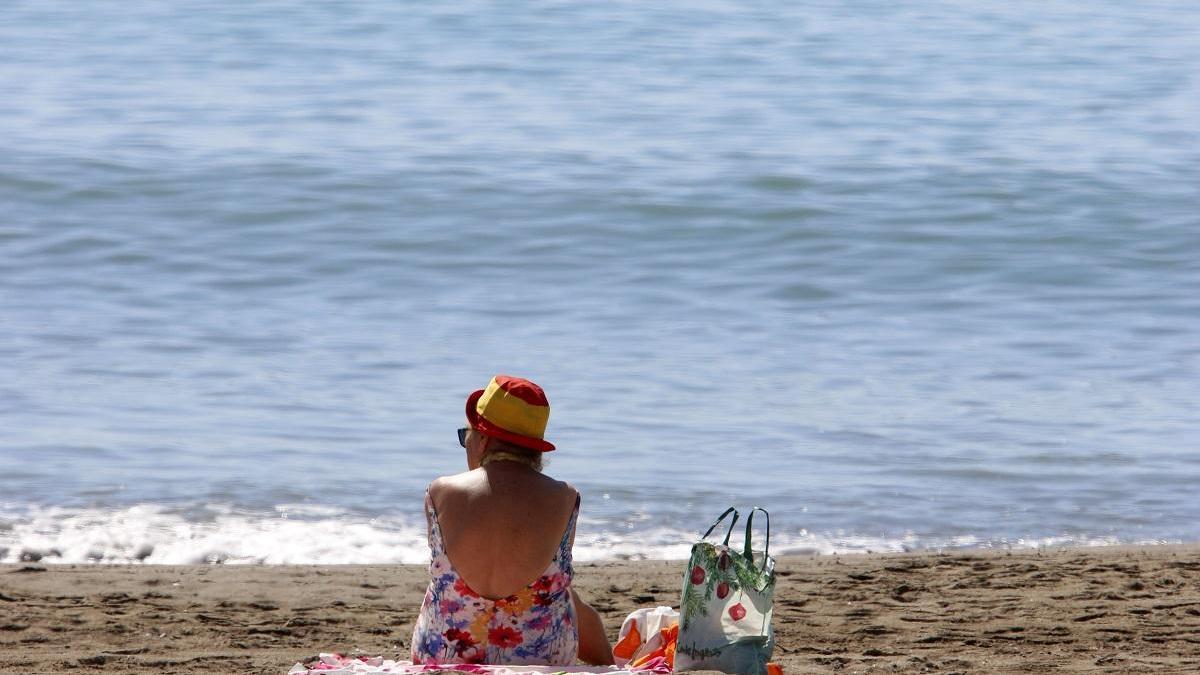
point(726, 608)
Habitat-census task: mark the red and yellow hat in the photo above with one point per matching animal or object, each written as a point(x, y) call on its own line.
point(512, 409)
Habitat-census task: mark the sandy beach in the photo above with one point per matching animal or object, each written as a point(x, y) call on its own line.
point(1095, 610)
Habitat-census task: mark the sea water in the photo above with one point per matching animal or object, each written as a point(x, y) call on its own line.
point(909, 276)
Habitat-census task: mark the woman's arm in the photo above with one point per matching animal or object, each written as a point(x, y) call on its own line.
point(594, 647)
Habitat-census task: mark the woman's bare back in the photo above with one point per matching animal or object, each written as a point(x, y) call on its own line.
point(501, 524)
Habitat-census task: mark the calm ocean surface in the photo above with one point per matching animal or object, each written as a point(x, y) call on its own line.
point(908, 277)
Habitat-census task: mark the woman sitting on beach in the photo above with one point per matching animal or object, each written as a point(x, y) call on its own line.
point(491, 530)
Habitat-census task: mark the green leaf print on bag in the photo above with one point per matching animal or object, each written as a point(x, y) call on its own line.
point(707, 565)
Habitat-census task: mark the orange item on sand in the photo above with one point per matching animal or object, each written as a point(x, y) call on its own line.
point(774, 669)
point(671, 638)
point(648, 639)
point(628, 644)
point(667, 651)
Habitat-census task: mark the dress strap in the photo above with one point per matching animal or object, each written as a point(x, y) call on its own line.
point(435, 529)
point(564, 546)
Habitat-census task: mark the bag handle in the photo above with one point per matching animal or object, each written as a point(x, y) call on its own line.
point(767, 546)
point(718, 522)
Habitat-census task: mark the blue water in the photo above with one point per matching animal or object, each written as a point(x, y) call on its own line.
point(908, 276)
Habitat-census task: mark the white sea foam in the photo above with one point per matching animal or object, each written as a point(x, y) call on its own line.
point(151, 534)
point(320, 535)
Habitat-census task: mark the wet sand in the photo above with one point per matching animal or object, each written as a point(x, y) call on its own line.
point(1095, 610)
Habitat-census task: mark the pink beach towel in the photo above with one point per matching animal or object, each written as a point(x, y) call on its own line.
point(336, 664)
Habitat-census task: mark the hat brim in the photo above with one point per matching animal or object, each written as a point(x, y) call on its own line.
point(480, 424)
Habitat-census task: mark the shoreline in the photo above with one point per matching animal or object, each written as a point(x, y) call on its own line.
point(1076, 610)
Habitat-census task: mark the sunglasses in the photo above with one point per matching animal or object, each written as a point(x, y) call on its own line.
point(462, 437)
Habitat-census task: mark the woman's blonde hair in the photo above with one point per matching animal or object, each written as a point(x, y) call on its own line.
point(499, 450)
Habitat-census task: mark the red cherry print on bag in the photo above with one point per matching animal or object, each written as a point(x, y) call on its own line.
point(737, 612)
point(697, 575)
point(722, 590)
point(723, 561)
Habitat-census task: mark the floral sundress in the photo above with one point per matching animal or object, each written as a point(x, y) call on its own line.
point(534, 626)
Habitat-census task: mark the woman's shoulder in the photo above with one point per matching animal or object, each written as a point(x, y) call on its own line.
point(455, 481)
point(570, 491)
point(559, 488)
point(451, 488)
point(565, 494)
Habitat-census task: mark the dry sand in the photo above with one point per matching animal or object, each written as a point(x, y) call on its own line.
point(1101, 610)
